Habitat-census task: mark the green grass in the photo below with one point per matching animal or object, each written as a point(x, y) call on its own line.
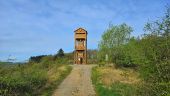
point(116, 89)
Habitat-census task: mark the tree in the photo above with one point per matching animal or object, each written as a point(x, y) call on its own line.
point(131, 53)
point(112, 40)
point(36, 58)
point(156, 49)
point(60, 53)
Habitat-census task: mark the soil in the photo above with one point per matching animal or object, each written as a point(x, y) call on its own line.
point(77, 83)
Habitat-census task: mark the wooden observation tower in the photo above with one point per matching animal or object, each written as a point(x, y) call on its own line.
point(80, 52)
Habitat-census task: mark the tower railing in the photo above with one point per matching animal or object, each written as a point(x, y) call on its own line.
point(80, 47)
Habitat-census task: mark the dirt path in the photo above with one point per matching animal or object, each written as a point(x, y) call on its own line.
point(78, 83)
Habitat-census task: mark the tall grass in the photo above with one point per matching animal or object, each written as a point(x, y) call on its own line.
point(30, 79)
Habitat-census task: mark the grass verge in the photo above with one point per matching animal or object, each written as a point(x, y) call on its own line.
point(53, 84)
point(112, 82)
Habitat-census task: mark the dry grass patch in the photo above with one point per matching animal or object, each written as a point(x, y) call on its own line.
point(55, 76)
point(55, 73)
point(110, 75)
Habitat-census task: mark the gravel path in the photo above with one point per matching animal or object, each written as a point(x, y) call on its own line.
point(78, 83)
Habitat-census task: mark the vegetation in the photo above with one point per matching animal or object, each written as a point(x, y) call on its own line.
point(112, 42)
point(92, 56)
point(123, 83)
point(32, 78)
point(59, 58)
point(36, 59)
point(60, 53)
point(149, 54)
point(156, 49)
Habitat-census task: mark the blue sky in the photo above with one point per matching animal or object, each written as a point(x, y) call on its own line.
point(37, 27)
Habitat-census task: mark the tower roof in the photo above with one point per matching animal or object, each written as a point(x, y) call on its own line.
point(81, 30)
